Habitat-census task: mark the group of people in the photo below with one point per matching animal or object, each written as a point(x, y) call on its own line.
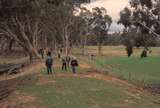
point(67, 62)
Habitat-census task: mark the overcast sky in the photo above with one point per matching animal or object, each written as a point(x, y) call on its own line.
point(113, 8)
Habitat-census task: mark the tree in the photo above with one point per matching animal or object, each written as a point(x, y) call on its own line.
point(125, 18)
point(64, 24)
point(145, 18)
point(83, 27)
point(28, 22)
point(101, 23)
point(21, 21)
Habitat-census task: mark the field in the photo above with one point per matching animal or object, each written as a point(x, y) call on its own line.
point(133, 69)
point(81, 92)
point(108, 81)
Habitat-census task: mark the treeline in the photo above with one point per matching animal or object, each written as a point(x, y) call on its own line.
point(35, 24)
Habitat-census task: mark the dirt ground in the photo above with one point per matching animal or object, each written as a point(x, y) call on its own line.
point(20, 100)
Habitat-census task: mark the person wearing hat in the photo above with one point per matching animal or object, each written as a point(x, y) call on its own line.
point(74, 64)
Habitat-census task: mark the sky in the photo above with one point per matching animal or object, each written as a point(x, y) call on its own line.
point(113, 8)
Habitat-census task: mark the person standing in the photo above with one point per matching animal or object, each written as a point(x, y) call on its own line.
point(68, 60)
point(64, 64)
point(49, 63)
point(74, 64)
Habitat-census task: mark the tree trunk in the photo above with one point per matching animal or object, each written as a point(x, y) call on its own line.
point(83, 49)
point(83, 42)
point(3, 45)
point(66, 42)
point(83, 46)
point(67, 45)
point(10, 45)
point(99, 49)
point(31, 51)
point(33, 54)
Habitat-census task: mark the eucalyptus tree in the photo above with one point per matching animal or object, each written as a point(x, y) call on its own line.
point(21, 20)
point(125, 19)
point(143, 19)
point(83, 27)
point(144, 15)
point(101, 23)
point(26, 20)
point(64, 22)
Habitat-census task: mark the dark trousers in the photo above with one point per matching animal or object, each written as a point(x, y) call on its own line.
point(64, 66)
point(49, 69)
point(73, 69)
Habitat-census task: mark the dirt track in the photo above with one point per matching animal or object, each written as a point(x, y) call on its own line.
point(38, 66)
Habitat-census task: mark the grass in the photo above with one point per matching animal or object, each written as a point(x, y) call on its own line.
point(132, 69)
point(75, 92)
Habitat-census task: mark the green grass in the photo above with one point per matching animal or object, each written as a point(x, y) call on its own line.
point(116, 62)
point(75, 92)
point(133, 69)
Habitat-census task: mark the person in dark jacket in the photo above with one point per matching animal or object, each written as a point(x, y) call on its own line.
point(74, 64)
point(64, 64)
point(49, 63)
